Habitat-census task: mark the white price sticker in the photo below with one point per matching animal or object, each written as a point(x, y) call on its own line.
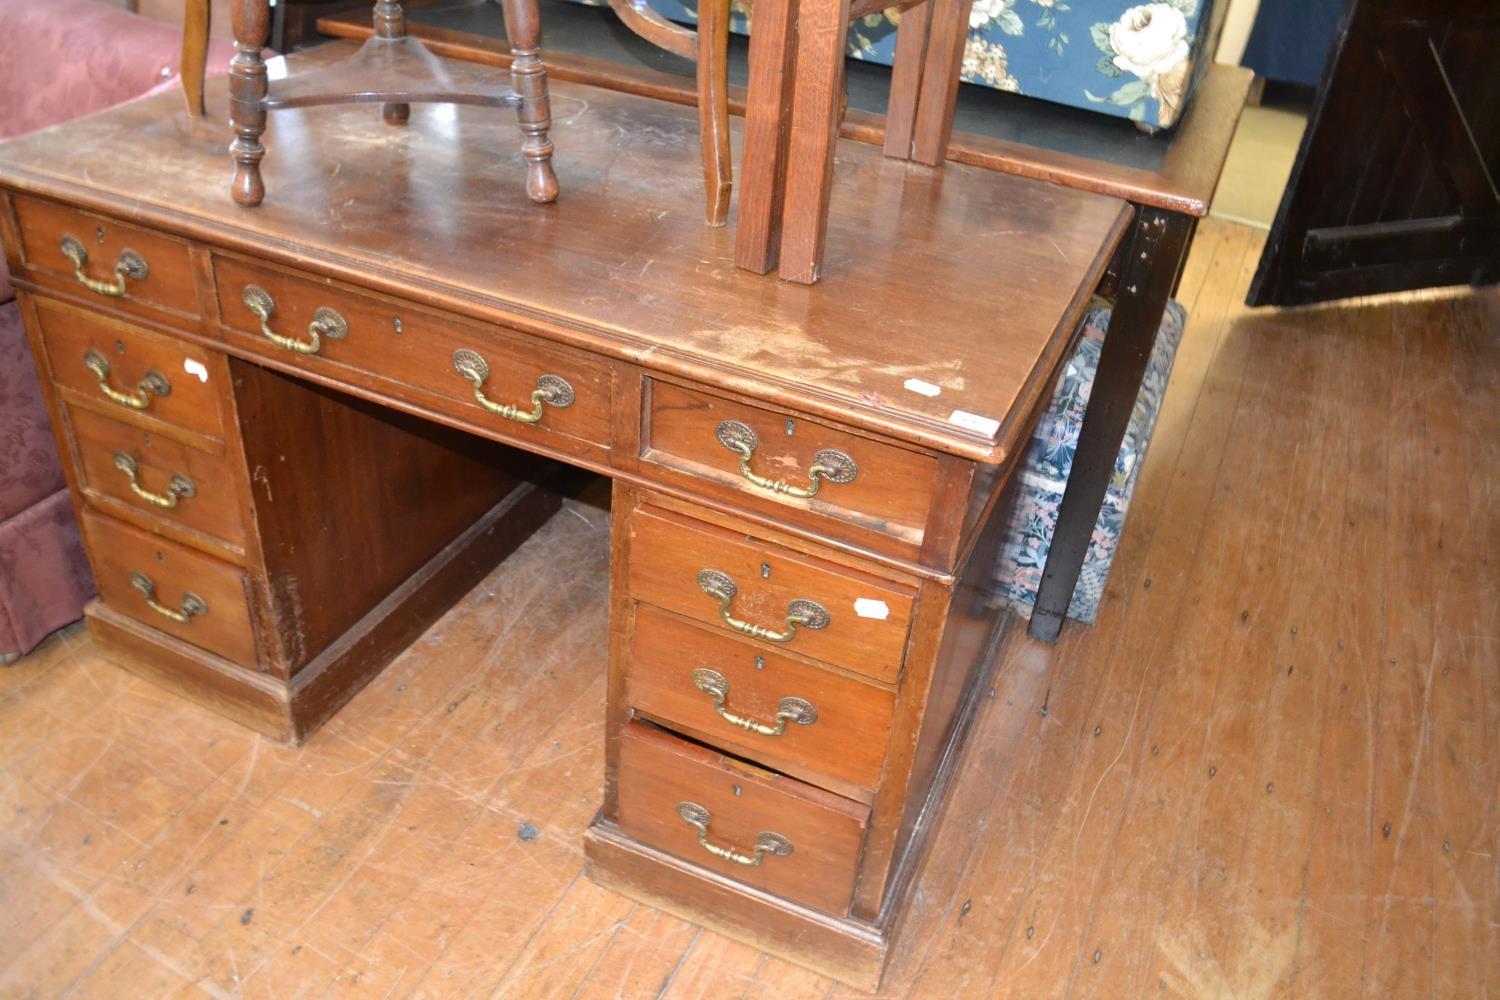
point(193, 367)
point(922, 388)
point(973, 422)
point(869, 607)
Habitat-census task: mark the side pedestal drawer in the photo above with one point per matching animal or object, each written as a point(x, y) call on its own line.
point(156, 475)
point(779, 598)
point(170, 587)
point(130, 372)
point(114, 263)
point(764, 829)
point(773, 709)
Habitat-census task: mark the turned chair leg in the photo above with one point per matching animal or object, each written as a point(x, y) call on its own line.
point(390, 24)
point(713, 108)
point(196, 18)
point(523, 25)
point(247, 99)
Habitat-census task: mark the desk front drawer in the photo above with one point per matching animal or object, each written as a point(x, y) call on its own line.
point(167, 586)
point(773, 459)
point(534, 391)
point(112, 263)
point(157, 475)
point(764, 829)
point(778, 598)
point(775, 710)
point(128, 371)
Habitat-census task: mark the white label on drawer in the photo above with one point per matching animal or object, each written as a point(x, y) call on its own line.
point(869, 607)
point(194, 367)
point(973, 422)
point(922, 388)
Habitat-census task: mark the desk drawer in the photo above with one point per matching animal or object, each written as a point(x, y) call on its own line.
point(118, 265)
point(170, 587)
point(548, 394)
point(695, 680)
point(677, 797)
point(156, 475)
point(781, 599)
point(871, 485)
point(128, 371)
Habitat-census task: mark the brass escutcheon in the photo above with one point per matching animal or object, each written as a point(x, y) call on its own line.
point(130, 266)
point(799, 613)
point(153, 383)
point(325, 323)
point(828, 464)
point(766, 843)
point(191, 606)
point(551, 390)
point(716, 686)
point(179, 487)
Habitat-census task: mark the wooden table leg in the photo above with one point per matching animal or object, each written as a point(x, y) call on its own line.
point(247, 99)
point(768, 110)
point(1152, 262)
point(822, 27)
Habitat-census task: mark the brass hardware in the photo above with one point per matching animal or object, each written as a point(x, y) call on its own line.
point(130, 267)
point(179, 487)
point(766, 843)
point(716, 686)
point(153, 383)
point(830, 465)
point(325, 323)
point(191, 605)
point(551, 390)
point(720, 586)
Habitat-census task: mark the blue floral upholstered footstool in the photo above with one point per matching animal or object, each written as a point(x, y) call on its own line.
point(1044, 469)
point(1134, 60)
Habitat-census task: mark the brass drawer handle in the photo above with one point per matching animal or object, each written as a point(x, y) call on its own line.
point(767, 843)
point(720, 586)
point(179, 487)
point(551, 390)
point(716, 686)
point(834, 466)
point(191, 605)
point(153, 383)
point(325, 323)
point(130, 267)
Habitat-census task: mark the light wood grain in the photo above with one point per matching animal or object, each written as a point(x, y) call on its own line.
point(1306, 467)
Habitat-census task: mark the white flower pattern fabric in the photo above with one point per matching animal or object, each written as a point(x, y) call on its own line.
point(1049, 458)
point(1130, 59)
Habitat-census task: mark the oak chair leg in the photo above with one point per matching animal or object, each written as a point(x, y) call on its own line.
point(523, 26)
point(1152, 261)
point(768, 108)
point(196, 20)
point(906, 80)
point(948, 35)
point(822, 29)
point(713, 108)
point(248, 88)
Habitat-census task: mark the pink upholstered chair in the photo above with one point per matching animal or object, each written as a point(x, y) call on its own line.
point(59, 60)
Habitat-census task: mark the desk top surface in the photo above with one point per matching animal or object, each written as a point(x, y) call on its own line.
point(962, 279)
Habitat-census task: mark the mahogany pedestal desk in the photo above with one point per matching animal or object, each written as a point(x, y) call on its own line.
point(296, 433)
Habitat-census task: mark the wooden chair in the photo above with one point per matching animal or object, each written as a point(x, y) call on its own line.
point(196, 22)
point(797, 49)
point(391, 69)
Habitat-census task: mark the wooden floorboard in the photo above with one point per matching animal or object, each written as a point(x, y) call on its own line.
point(1271, 768)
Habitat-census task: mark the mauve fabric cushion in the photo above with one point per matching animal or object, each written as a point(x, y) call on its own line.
point(29, 467)
point(64, 59)
point(43, 541)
